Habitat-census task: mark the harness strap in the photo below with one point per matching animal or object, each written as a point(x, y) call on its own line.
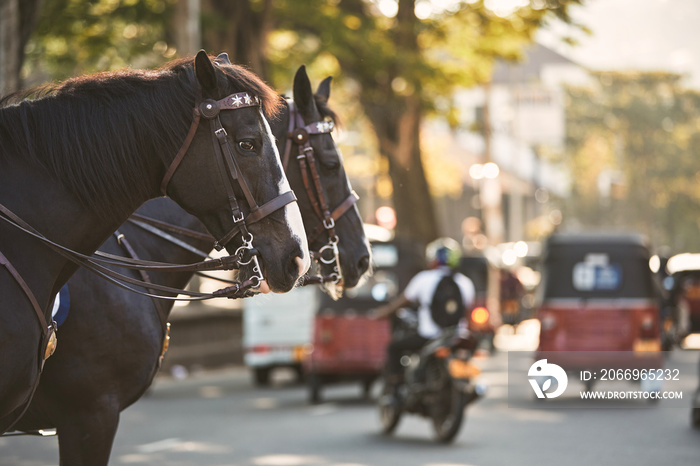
point(162, 313)
point(180, 154)
point(172, 228)
point(27, 291)
point(18, 278)
point(226, 171)
point(94, 265)
point(261, 212)
point(170, 238)
point(335, 215)
point(226, 153)
point(100, 257)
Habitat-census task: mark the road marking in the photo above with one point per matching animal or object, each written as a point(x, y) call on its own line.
point(166, 444)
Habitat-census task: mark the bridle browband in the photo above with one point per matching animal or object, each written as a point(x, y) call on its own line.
point(299, 134)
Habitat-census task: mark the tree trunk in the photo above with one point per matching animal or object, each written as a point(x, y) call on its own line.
point(394, 106)
point(9, 46)
point(397, 126)
point(233, 26)
point(185, 26)
point(17, 21)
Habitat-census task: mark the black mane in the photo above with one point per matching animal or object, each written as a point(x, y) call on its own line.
point(96, 133)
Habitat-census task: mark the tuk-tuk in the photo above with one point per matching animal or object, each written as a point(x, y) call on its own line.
point(347, 345)
point(684, 270)
point(598, 293)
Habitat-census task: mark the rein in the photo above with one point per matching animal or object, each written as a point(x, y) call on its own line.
point(299, 134)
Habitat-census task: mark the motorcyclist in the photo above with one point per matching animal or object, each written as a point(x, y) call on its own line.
point(443, 257)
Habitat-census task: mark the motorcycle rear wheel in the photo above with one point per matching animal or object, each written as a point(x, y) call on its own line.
point(389, 412)
point(448, 413)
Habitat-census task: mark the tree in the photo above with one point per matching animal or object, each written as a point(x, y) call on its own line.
point(73, 37)
point(634, 136)
point(17, 21)
point(404, 64)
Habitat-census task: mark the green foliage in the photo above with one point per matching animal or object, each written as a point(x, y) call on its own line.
point(431, 56)
point(641, 128)
point(81, 36)
point(397, 67)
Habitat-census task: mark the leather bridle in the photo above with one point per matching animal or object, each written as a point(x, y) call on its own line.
point(229, 170)
point(245, 254)
point(299, 133)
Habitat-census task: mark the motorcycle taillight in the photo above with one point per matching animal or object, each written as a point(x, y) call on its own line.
point(442, 352)
point(480, 315)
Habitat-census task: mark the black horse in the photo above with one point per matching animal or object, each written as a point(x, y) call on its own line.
point(81, 156)
point(112, 340)
point(331, 205)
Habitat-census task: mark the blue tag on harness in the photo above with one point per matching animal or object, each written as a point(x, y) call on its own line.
point(61, 305)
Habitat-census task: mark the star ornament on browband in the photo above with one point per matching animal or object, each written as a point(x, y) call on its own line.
point(325, 126)
point(244, 99)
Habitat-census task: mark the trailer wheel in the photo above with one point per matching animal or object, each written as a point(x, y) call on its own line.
point(261, 376)
point(367, 387)
point(313, 381)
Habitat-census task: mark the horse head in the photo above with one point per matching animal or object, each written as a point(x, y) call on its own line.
point(230, 175)
point(314, 166)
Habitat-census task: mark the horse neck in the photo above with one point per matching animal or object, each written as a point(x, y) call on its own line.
point(46, 205)
point(47, 165)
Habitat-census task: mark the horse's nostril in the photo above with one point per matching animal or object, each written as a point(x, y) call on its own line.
point(301, 265)
point(363, 264)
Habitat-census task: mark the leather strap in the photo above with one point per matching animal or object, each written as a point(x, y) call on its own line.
point(160, 309)
point(27, 291)
point(261, 212)
point(170, 238)
point(172, 228)
point(336, 214)
point(209, 109)
point(180, 154)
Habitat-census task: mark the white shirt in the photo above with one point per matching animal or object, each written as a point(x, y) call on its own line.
point(421, 289)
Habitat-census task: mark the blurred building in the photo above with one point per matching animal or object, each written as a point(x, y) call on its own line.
point(525, 107)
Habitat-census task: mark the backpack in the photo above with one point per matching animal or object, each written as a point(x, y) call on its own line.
point(447, 307)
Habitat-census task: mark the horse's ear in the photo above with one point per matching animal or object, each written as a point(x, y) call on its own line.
point(324, 89)
point(204, 70)
point(223, 58)
point(303, 95)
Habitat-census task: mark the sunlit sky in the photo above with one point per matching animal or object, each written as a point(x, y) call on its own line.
point(649, 35)
point(637, 34)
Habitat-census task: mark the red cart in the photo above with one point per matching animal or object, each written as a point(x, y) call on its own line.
point(347, 345)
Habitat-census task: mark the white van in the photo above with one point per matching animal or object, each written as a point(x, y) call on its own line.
point(277, 330)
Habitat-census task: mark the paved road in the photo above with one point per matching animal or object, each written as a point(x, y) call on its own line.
point(219, 419)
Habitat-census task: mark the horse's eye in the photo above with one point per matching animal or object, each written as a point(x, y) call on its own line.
point(246, 146)
point(331, 167)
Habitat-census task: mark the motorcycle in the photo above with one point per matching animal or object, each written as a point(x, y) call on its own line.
point(438, 382)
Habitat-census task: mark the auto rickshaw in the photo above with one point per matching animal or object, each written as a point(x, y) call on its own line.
point(598, 294)
point(347, 345)
point(684, 270)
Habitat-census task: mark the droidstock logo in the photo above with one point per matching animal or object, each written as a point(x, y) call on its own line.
point(540, 376)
